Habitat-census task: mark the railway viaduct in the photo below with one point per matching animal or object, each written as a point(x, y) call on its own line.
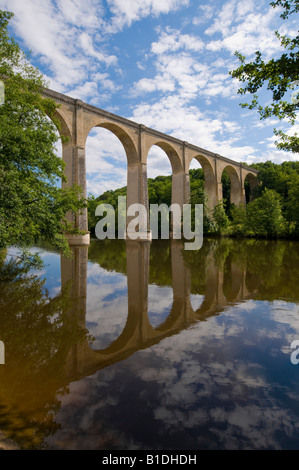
point(78, 119)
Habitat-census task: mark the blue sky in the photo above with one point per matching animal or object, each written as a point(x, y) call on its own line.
point(161, 63)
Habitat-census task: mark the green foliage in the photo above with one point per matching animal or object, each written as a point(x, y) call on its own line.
point(108, 197)
point(238, 220)
point(159, 190)
point(272, 269)
point(264, 216)
point(278, 76)
point(292, 205)
point(289, 7)
point(283, 179)
point(32, 205)
point(273, 212)
point(220, 218)
point(110, 254)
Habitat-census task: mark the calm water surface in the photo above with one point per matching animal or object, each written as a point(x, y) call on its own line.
point(148, 346)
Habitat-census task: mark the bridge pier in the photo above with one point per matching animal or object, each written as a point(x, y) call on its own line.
point(73, 155)
point(137, 194)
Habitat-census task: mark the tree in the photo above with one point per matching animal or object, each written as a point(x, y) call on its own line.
point(238, 222)
point(264, 215)
point(292, 205)
point(32, 204)
point(279, 75)
point(220, 218)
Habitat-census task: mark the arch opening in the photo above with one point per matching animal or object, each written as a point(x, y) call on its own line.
point(106, 171)
point(201, 189)
point(251, 187)
point(123, 137)
point(232, 279)
point(160, 188)
point(231, 190)
point(159, 176)
point(226, 191)
point(202, 182)
point(176, 165)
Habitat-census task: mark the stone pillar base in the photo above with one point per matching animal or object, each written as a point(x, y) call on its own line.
point(79, 240)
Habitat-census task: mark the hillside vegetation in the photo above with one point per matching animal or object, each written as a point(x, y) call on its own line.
point(274, 212)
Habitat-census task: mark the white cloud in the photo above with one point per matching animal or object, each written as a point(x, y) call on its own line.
point(158, 163)
point(84, 91)
point(172, 40)
point(172, 116)
point(180, 69)
point(149, 85)
point(106, 305)
point(206, 13)
point(84, 14)
point(87, 45)
point(125, 13)
point(223, 20)
point(244, 28)
point(61, 37)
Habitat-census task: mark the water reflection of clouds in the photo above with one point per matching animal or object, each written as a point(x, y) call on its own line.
point(159, 304)
point(229, 378)
point(207, 384)
point(106, 305)
point(196, 301)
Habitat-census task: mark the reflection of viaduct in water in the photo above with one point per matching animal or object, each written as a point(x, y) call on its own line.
point(138, 332)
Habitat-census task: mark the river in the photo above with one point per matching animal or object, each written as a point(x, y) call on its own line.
point(137, 345)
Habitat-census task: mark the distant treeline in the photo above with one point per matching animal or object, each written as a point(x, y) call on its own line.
point(273, 213)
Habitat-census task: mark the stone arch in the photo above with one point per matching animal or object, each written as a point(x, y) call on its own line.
point(209, 178)
point(178, 180)
point(175, 161)
point(123, 136)
point(235, 184)
point(207, 168)
point(66, 135)
point(136, 171)
point(175, 320)
point(159, 167)
point(130, 335)
point(64, 129)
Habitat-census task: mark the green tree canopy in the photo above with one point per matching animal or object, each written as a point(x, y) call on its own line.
point(271, 212)
point(264, 216)
point(279, 75)
point(32, 203)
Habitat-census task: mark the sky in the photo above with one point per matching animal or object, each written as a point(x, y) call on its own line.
point(161, 63)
